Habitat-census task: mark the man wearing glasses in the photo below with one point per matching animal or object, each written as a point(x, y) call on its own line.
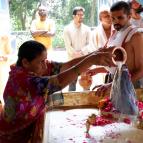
point(77, 37)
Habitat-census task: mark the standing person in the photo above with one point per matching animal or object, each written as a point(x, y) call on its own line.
point(128, 37)
point(77, 38)
point(43, 28)
point(100, 36)
point(102, 32)
point(136, 9)
point(31, 80)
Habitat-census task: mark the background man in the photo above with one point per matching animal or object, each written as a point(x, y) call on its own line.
point(102, 32)
point(100, 36)
point(77, 38)
point(42, 28)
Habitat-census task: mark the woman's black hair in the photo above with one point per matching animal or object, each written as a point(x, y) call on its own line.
point(29, 50)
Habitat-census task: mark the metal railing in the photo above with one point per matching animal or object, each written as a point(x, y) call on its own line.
point(18, 37)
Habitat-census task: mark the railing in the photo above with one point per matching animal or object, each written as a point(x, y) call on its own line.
point(18, 37)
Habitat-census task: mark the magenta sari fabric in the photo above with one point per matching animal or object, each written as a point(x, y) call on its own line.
point(25, 95)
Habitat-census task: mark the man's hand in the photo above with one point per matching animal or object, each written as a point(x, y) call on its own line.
point(103, 90)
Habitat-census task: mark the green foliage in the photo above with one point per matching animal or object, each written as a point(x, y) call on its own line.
point(58, 41)
point(20, 11)
point(23, 11)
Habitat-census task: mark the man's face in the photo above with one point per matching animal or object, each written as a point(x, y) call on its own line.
point(42, 12)
point(79, 16)
point(120, 19)
point(105, 17)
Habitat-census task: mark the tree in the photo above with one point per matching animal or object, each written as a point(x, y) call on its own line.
point(90, 11)
point(20, 11)
point(93, 17)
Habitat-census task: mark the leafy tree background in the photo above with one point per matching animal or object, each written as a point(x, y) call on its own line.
point(22, 12)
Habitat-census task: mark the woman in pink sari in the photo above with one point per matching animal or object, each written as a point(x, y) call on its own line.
point(30, 82)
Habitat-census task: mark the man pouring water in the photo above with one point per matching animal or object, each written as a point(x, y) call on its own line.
point(128, 37)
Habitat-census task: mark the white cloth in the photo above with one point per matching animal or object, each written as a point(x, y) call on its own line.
point(77, 40)
point(137, 23)
point(118, 38)
point(99, 37)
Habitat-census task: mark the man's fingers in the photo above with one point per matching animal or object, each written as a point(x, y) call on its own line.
point(102, 90)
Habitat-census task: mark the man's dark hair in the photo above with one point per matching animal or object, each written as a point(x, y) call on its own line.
point(76, 9)
point(29, 50)
point(121, 5)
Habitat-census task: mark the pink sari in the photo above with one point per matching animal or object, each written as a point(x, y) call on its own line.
point(25, 97)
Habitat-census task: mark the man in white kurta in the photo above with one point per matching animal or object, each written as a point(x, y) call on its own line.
point(100, 36)
point(77, 37)
point(102, 32)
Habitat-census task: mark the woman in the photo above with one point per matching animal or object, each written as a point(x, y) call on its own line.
point(30, 81)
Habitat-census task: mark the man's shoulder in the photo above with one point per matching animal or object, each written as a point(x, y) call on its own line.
point(85, 26)
point(138, 34)
point(136, 38)
point(50, 21)
point(133, 33)
point(68, 27)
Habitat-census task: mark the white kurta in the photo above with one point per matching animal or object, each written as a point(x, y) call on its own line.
point(77, 40)
point(99, 38)
point(137, 23)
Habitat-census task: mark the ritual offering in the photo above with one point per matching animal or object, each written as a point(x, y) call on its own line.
point(121, 106)
point(123, 94)
point(85, 81)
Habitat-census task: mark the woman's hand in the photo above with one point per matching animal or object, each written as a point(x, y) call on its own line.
point(103, 90)
point(102, 58)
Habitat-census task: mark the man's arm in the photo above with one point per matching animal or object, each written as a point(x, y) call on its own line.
point(137, 44)
point(44, 33)
point(51, 27)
